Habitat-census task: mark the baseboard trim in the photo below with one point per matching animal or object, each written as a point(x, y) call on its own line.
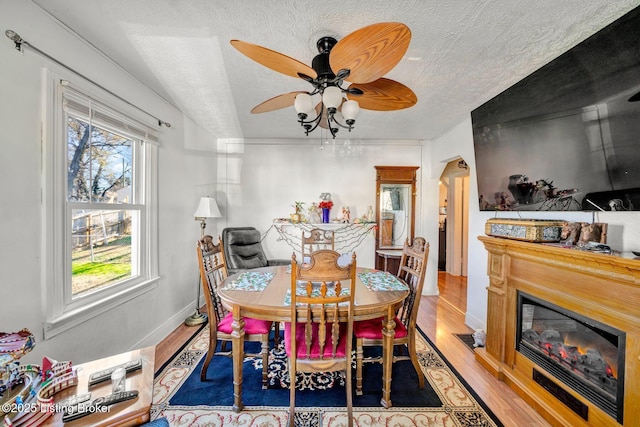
point(164, 329)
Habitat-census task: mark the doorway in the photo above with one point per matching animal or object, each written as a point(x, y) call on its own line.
point(453, 225)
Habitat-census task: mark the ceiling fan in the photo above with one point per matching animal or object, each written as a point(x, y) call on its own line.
point(361, 59)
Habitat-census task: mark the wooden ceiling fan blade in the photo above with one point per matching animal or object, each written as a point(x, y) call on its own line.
point(274, 60)
point(276, 103)
point(384, 95)
point(372, 51)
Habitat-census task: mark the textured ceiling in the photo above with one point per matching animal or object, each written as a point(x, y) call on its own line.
point(462, 53)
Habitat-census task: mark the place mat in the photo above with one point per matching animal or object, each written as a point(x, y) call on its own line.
point(250, 281)
point(315, 292)
point(381, 281)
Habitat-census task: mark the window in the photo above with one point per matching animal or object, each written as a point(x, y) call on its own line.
point(100, 162)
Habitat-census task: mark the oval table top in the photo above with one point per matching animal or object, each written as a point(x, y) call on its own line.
point(270, 302)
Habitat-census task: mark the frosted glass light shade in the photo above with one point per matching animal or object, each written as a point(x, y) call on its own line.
point(332, 97)
point(303, 103)
point(350, 109)
point(208, 208)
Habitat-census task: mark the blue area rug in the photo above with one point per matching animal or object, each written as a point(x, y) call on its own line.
point(314, 390)
point(185, 401)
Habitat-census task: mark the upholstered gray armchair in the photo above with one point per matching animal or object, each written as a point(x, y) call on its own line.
point(243, 250)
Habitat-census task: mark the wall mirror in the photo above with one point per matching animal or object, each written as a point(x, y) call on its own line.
point(395, 211)
point(395, 214)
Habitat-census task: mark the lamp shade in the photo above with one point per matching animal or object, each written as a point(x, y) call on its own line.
point(350, 109)
point(332, 97)
point(302, 103)
point(208, 208)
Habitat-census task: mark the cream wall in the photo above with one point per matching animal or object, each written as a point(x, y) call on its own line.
point(186, 171)
point(260, 180)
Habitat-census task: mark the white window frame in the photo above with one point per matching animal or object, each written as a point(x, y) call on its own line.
point(61, 311)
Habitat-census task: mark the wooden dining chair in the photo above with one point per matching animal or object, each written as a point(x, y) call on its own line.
point(213, 271)
point(413, 265)
point(319, 336)
point(315, 240)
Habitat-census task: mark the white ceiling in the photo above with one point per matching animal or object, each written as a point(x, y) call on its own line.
point(462, 53)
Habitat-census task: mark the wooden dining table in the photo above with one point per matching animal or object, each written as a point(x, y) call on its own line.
point(262, 293)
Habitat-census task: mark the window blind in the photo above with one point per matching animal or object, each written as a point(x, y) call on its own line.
point(102, 115)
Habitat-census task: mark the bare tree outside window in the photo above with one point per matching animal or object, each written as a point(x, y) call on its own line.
point(99, 172)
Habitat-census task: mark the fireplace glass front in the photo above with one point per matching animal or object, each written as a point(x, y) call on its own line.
point(583, 354)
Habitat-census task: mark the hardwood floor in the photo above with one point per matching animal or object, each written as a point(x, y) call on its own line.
point(440, 317)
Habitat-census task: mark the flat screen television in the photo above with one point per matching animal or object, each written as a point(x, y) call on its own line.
point(567, 137)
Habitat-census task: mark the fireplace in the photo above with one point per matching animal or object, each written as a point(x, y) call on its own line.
point(584, 354)
point(563, 331)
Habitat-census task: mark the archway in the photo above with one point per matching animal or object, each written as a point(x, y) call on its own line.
point(453, 225)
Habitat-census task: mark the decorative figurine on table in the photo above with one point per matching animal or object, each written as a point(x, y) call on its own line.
point(314, 214)
point(570, 233)
point(370, 217)
point(591, 233)
point(346, 215)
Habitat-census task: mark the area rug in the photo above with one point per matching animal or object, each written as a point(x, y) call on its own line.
point(184, 400)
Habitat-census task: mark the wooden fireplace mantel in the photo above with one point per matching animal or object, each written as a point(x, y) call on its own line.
point(602, 287)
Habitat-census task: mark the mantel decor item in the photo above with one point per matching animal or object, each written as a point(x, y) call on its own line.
point(529, 230)
point(297, 216)
point(326, 210)
point(326, 204)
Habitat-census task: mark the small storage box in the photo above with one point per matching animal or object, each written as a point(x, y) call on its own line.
point(529, 230)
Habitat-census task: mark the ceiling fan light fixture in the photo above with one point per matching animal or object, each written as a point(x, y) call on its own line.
point(350, 110)
point(360, 59)
point(332, 98)
point(303, 105)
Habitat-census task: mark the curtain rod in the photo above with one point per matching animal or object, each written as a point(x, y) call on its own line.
point(12, 35)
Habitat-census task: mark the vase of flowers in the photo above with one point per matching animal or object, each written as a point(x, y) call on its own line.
point(326, 206)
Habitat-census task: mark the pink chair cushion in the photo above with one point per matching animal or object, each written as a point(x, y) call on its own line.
point(301, 345)
point(372, 329)
point(251, 326)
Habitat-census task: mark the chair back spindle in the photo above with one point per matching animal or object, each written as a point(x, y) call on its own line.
point(316, 240)
point(319, 337)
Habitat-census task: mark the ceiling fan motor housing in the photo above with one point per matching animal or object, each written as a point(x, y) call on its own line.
point(321, 66)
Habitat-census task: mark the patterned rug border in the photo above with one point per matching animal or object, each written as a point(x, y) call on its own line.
point(461, 406)
point(193, 336)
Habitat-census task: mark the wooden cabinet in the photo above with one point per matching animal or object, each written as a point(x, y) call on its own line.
point(386, 232)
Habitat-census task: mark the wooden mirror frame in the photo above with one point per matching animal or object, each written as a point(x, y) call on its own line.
point(394, 175)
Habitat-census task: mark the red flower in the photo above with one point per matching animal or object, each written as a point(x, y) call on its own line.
point(326, 204)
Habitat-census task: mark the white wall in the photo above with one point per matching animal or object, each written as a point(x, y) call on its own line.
point(186, 172)
point(623, 231)
point(261, 180)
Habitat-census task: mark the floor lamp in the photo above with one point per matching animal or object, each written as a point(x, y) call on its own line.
point(208, 208)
